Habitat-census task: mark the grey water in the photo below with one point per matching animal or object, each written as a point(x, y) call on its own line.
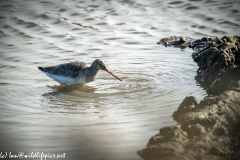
point(105, 119)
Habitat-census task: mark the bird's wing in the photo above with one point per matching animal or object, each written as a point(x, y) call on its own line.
point(68, 69)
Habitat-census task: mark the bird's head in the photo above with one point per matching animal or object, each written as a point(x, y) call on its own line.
point(100, 65)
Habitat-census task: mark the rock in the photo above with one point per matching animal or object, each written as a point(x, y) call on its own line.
point(187, 105)
point(209, 129)
point(202, 133)
point(226, 80)
point(214, 58)
point(215, 86)
point(167, 151)
point(176, 41)
point(217, 60)
point(167, 134)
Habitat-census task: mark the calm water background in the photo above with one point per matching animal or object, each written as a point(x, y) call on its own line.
point(106, 119)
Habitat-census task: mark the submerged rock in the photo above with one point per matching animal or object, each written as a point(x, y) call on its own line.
point(176, 41)
point(183, 42)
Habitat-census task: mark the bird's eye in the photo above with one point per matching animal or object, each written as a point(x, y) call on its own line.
point(101, 64)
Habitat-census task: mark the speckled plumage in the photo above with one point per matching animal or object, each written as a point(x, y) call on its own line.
point(68, 69)
point(75, 73)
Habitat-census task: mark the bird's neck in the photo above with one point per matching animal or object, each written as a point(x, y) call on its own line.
point(92, 72)
point(93, 69)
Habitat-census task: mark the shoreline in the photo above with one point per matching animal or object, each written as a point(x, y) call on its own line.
point(209, 129)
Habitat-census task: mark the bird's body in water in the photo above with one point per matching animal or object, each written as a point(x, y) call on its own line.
point(75, 73)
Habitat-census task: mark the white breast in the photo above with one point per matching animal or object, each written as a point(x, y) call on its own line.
point(67, 80)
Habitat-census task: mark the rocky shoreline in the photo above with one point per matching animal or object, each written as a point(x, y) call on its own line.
point(209, 129)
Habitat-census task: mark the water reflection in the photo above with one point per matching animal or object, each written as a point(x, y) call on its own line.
point(58, 89)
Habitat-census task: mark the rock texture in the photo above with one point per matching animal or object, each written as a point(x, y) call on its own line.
point(217, 60)
point(219, 63)
point(209, 129)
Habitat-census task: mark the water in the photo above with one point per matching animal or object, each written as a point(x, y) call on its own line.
point(105, 119)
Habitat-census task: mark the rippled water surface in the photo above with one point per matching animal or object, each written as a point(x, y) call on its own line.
point(105, 119)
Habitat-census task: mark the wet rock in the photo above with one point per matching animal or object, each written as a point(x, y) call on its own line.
point(193, 130)
point(214, 58)
point(226, 79)
point(218, 60)
point(168, 134)
point(154, 152)
point(187, 105)
point(188, 42)
point(209, 129)
point(176, 41)
point(201, 133)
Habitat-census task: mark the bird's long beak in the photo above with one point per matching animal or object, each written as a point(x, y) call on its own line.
point(112, 74)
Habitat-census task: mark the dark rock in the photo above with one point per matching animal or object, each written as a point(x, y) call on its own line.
point(227, 79)
point(187, 105)
point(176, 41)
point(202, 133)
point(215, 57)
point(169, 133)
point(209, 129)
point(217, 60)
point(167, 152)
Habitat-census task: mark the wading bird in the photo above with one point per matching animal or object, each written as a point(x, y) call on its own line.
point(75, 73)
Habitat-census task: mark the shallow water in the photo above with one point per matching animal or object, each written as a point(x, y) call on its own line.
point(105, 119)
